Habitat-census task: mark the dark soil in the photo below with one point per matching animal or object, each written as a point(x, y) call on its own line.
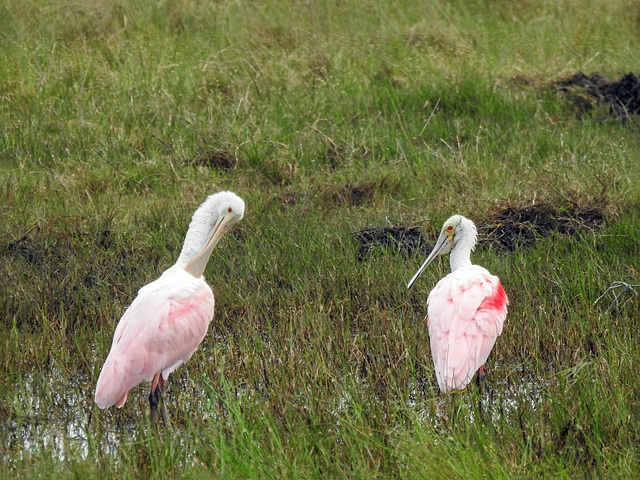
point(510, 228)
point(355, 195)
point(291, 198)
point(403, 240)
point(26, 248)
point(221, 158)
point(520, 227)
point(587, 91)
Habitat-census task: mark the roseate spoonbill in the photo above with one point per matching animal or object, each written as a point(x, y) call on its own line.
point(168, 319)
point(466, 309)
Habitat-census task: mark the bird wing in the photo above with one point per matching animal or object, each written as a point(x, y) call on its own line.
point(466, 312)
point(159, 331)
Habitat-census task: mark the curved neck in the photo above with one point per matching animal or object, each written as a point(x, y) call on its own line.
point(199, 235)
point(463, 244)
point(198, 263)
point(194, 246)
point(209, 223)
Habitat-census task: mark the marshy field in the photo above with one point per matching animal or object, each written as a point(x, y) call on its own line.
point(352, 130)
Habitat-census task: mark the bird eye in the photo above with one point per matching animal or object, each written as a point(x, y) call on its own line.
point(229, 209)
point(449, 228)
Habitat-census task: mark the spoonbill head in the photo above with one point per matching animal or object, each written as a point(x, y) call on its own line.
point(458, 237)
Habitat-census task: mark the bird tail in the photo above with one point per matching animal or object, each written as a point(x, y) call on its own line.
point(109, 389)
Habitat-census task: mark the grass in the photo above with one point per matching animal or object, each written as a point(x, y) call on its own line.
point(326, 117)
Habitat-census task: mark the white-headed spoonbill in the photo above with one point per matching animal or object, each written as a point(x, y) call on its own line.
point(466, 309)
point(168, 319)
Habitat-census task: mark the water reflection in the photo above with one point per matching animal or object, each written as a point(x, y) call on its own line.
point(54, 414)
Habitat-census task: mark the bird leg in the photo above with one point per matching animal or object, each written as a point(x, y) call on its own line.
point(155, 399)
point(480, 375)
point(483, 392)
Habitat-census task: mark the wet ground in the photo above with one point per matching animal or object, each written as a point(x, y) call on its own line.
point(56, 415)
point(68, 427)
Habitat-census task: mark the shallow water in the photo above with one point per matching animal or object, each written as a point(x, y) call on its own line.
point(55, 414)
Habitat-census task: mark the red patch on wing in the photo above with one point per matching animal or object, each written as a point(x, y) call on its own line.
point(496, 302)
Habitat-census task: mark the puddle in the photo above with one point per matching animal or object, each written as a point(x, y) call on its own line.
point(50, 413)
point(54, 414)
point(496, 402)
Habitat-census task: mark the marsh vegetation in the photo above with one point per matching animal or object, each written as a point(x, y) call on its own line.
point(352, 130)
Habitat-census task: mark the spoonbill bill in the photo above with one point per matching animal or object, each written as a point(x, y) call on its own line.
point(466, 309)
point(168, 319)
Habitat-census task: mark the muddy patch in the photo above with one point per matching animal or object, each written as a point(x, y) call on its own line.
point(27, 249)
point(403, 240)
point(221, 159)
point(355, 195)
point(521, 227)
point(622, 97)
point(289, 199)
point(509, 229)
point(365, 192)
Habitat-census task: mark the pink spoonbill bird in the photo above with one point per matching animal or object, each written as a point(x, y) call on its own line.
point(168, 319)
point(466, 309)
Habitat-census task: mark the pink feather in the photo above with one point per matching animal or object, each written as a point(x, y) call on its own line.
point(169, 318)
point(466, 312)
point(160, 330)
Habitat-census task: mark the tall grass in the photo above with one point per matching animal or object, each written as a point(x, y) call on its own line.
point(118, 119)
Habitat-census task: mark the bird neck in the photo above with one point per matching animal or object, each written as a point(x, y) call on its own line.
point(464, 243)
point(198, 236)
point(460, 259)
